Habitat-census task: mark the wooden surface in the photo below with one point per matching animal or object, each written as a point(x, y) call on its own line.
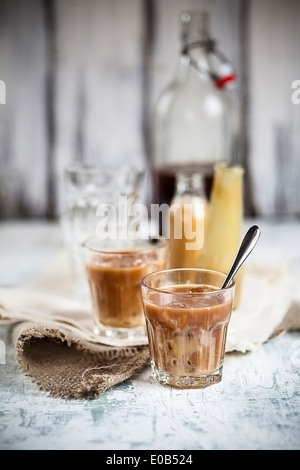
point(256, 406)
point(274, 119)
point(82, 77)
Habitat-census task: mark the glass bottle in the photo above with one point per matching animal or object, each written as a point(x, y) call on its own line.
point(223, 233)
point(196, 117)
point(187, 218)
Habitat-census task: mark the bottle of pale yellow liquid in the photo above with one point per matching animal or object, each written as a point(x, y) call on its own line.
point(187, 221)
point(224, 226)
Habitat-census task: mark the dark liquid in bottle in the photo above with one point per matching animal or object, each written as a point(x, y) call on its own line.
point(165, 180)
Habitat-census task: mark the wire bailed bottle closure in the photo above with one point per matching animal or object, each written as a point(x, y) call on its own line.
point(195, 34)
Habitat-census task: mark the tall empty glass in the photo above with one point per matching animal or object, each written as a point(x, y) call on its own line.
point(87, 188)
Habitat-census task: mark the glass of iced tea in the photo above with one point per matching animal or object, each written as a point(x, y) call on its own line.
point(187, 315)
point(114, 270)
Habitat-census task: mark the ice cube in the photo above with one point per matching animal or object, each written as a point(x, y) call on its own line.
point(176, 304)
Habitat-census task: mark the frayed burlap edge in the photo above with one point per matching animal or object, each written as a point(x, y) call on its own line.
point(69, 367)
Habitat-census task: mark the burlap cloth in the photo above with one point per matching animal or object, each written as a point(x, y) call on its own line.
point(56, 347)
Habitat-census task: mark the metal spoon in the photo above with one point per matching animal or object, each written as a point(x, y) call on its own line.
point(247, 245)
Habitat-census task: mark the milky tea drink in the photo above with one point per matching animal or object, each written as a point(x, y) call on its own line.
point(187, 316)
point(114, 274)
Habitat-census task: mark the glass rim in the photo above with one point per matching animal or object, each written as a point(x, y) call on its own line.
point(154, 244)
point(164, 271)
point(84, 169)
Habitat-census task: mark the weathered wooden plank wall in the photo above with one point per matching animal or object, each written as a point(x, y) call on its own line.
point(82, 77)
point(98, 99)
point(23, 123)
point(274, 129)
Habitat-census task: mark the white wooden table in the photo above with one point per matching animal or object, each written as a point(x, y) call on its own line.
point(256, 406)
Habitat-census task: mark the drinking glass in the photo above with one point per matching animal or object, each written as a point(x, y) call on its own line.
point(114, 269)
point(187, 315)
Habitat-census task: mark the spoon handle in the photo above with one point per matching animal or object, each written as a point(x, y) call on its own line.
point(247, 245)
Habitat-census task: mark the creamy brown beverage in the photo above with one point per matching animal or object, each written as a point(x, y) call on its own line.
point(114, 281)
point(115, 268)
point(187, 335)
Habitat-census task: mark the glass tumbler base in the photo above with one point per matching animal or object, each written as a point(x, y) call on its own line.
point(187, 381)
point(121, 336)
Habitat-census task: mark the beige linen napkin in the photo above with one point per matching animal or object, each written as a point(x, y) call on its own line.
point(56, 347)
point(268, 306)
